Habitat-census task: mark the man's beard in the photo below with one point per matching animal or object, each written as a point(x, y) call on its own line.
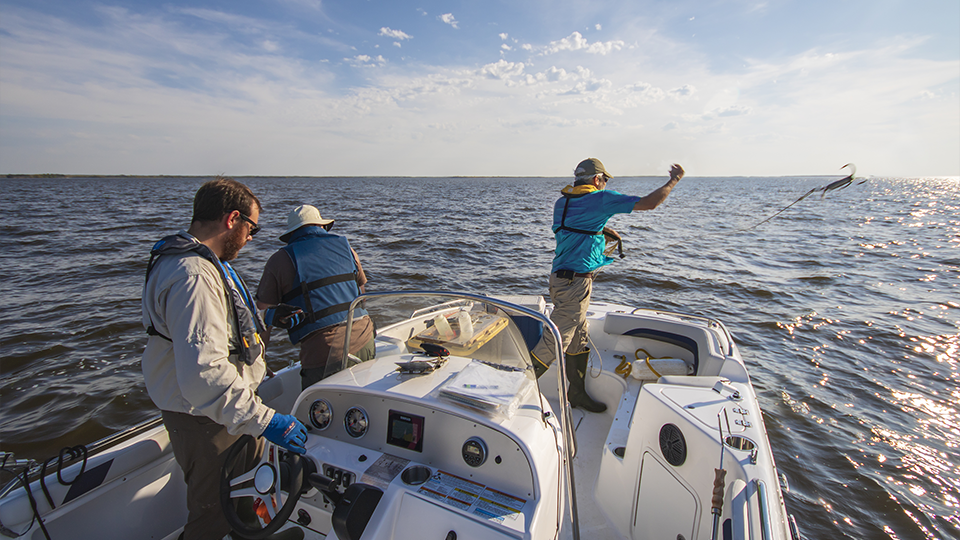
point(233, 243)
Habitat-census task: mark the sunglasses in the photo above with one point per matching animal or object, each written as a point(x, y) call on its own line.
point(254, 228)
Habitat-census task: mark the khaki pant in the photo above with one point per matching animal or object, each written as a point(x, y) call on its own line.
point(309, 376)
point(200, 447)
point(571, 298)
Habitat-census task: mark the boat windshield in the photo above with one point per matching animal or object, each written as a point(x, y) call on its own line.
point(483, 329)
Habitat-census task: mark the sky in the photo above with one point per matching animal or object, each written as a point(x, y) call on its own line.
point(479, 88)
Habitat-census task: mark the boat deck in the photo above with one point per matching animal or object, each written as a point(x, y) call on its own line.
point(593, 430)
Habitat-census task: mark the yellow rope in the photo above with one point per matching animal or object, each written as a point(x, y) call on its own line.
point(624, 368)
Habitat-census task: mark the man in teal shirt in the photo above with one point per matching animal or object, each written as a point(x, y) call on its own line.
point(579, 217)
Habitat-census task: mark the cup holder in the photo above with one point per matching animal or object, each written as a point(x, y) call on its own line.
point(739, 443)
point(414, 476)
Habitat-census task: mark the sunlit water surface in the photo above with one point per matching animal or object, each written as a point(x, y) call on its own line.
point(845, 308)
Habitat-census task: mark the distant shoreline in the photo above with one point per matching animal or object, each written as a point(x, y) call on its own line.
point(136, 176)
point(50, 175)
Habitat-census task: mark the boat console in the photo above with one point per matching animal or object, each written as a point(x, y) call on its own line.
point(459, 437)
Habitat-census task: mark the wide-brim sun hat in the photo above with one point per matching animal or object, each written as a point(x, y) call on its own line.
point(302, 216)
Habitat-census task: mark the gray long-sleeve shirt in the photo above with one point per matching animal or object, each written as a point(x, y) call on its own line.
point(194, 373)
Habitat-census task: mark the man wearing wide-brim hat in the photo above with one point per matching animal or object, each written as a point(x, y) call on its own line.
point(319, 273)
point(579, 222)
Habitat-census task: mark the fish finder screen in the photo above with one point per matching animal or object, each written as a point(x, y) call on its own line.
point(405, 430)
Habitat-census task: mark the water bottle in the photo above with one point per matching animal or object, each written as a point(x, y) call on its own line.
point(466, 325)
point(443, 327)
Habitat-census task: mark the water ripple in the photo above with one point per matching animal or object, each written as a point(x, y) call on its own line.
point(845, 308)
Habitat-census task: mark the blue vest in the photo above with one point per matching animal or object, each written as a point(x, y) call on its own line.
point(249, 348)
point(327, 274)
point(578, 222)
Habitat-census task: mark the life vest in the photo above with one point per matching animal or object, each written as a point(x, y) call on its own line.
point(327, 275)
point(563, 218)
point(611, 238)
point(249, 325)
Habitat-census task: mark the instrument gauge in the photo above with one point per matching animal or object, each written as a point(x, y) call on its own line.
point(474, 452)
point(321, 414)
point(355, 422)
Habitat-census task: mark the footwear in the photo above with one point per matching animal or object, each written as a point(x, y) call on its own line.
point(576, 371)
point(248, 516)
point(539, 368)
point(293, 533)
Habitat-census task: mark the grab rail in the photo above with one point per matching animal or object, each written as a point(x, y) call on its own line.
point(567, 416)
point(764, 510)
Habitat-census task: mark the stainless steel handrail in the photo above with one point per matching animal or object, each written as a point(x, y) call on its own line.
point(764, 510)
point(566, 423)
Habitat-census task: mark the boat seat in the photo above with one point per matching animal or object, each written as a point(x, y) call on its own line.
point(530, 328)
point(697, 342)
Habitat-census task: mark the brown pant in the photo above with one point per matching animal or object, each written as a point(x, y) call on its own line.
point(310, 375)
point(571, 298)
point(200, 447)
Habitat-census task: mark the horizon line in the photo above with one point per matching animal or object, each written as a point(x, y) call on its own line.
point(72, 175)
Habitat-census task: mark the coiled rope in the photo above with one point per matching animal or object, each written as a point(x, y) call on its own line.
point(67, 453)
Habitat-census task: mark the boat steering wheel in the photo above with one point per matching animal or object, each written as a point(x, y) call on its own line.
point(265, 484)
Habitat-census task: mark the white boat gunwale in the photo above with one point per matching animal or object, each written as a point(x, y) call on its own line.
point(760, 500)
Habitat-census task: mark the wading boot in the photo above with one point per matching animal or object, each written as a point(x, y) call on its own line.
point(539, 368)
point(576, 371)
point(293, 533)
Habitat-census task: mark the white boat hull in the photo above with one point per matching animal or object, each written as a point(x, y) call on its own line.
point(626, 483)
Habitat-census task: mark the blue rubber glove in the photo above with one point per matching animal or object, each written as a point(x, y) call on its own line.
point(286, 431)
point(283, 316)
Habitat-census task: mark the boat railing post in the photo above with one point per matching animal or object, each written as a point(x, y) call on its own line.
point(569, 434)
point(566, 418)
point(764, 510)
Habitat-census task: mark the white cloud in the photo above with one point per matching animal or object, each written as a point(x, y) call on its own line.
point(557, 75)
point(364, 60)
point(588, 87)
point(147, 93)
point(449, 19)
point(228, 19)
point(316, 5)
point(551, 75)
point(635, 95)
point(394, 34)
point(576, 42)
point(502, 70)
point(734, 110)
point(684, 92)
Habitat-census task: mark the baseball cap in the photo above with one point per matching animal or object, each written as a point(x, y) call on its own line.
point(591, 167)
